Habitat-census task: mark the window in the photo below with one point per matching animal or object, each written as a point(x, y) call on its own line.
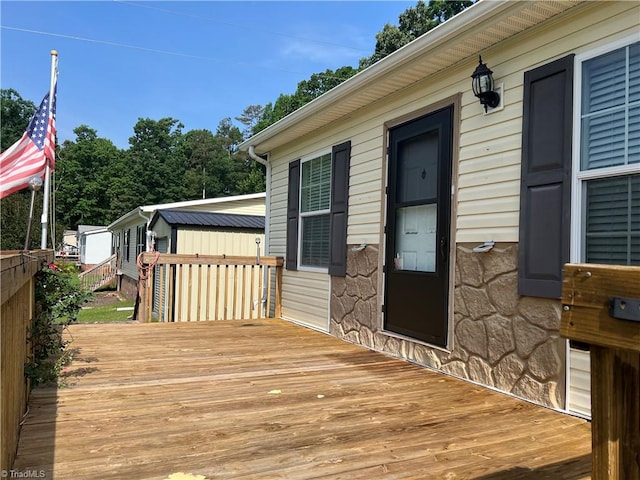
point(315, 205)
point(127, 235)
point(317, 211)
point(607, 171)
point(140, 240)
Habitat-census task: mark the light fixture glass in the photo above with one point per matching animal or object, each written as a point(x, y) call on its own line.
point(483, 86)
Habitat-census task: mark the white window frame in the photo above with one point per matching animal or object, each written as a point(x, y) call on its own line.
point(302, 215)
point(579, 177)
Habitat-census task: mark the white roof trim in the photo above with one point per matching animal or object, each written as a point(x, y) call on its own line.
point(94, 232)
point(477, 28)
point(137, 212)
point(206, 201)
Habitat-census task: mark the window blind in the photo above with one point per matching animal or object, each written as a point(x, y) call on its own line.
point(611, 109)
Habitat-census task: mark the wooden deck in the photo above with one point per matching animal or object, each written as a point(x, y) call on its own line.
point(266, 399)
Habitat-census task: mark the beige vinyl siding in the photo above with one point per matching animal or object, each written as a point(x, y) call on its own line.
point(278, 220)
point(305, 298)
point(579, 382)
point(487, 185)
point(253, 206)
point(219, 242)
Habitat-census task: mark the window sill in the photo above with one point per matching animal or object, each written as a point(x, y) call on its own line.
point(302, 268)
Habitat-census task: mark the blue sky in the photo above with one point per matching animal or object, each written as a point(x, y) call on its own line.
point(198, 62)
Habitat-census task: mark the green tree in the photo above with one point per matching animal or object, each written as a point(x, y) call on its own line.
point(16, 113)
point(157, 160)
point(199, 149)
point(316, 85)
point(250, 117)
point(320, 83)
point(82, 179)
point(413, 22)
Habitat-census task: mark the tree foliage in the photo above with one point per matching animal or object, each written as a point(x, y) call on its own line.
point(308, 90)
point(96, 182)
point(413, 22)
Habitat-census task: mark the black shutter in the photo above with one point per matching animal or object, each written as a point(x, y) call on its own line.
point(340, 159)
point(545, 194)
point(293, 209)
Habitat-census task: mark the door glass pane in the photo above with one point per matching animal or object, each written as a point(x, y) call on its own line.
point(418, 168)
point(416, 229)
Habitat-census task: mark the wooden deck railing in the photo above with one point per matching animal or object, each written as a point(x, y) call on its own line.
point(16, 316)
point(184, 288)
point(99, 275)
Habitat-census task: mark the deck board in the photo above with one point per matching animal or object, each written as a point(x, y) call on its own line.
point(267, 399)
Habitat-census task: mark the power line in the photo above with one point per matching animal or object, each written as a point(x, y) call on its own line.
point(236, 25)
point(145, 49)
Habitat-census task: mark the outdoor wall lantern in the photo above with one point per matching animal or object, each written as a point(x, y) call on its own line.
point(483, 87)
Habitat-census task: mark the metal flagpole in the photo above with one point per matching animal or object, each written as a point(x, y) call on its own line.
point(47, 176)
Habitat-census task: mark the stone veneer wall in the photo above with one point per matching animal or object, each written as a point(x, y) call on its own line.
point(499, 338)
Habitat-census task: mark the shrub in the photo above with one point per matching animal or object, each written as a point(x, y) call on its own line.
point(58, 299)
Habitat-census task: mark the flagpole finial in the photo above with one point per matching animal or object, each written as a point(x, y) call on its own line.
point(54, 53)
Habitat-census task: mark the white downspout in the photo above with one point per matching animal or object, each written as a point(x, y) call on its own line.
point(267, 215)
point(147, 221)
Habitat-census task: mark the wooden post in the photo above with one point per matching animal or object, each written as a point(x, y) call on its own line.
point(278, 291)
point(141, 314)
point(587, 294)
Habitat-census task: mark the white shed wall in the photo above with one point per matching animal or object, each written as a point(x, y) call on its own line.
point(97, 248)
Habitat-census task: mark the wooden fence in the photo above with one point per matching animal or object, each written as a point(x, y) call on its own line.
point(16, 315)
point(184, 288)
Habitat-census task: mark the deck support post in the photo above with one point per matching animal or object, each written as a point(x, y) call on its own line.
point(587, 296)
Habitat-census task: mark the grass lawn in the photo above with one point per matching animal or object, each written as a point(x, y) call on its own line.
point(106, 311)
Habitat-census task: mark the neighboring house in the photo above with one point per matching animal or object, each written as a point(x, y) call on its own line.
point(68, 249)
point(70, 241)
point(204, 233)
point(208, 233)
point(94, 245)
point(385, 194)
point(133, 235)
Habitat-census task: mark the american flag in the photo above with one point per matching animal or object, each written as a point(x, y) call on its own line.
point(28, 157)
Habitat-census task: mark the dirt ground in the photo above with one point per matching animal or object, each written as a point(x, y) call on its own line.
point(101, 299)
